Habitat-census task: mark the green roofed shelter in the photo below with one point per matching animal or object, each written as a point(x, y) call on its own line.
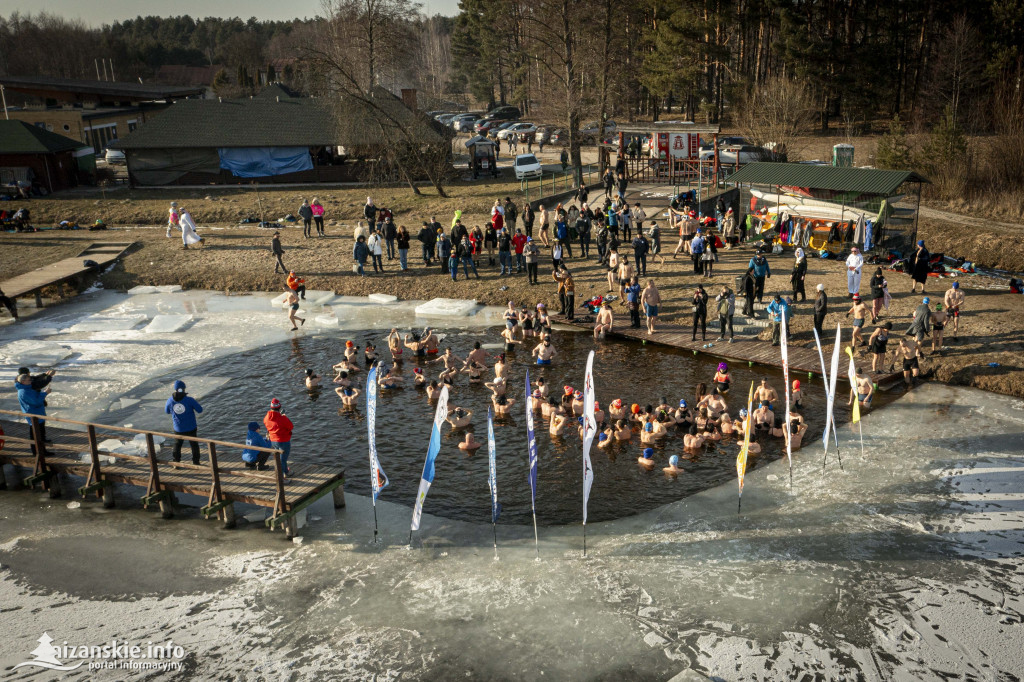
point(30, 153)
point(860, 180)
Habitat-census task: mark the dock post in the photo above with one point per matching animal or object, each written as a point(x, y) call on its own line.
point(229, 516)
point(108, 496)
point(339, 497)
point(3, 478)
point(291, 528)
point(167, 506)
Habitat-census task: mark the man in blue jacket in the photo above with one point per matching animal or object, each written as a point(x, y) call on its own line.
point(761, 270)
point(183, 409)
point(32, 401)
point(254, 459)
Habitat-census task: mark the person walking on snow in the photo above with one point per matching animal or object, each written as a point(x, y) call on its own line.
point(188, 230)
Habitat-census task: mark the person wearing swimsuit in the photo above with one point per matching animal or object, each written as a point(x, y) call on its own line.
point(877, 346)
point(722, 378)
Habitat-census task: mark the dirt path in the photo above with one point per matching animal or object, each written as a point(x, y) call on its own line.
point(970, 221)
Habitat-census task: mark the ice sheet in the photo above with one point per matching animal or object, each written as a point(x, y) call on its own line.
point(143, 290)
point(166, 324)
point(34, 353)
point(446, 307)
point(382, 298)
point(104, 323)
point(326, 320)
point(197, 386)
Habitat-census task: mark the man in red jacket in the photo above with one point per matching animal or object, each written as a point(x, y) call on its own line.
point(279, 430)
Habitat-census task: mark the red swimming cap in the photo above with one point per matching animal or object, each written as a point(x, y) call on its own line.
point(796, 384)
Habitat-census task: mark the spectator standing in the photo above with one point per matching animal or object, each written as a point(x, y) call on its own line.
point(726, 301)
point(528, 218)
point(376, 246)
point(633, 302)
point(359, 253)
point(370, 212)
point(749, 284)
point(390, 236)
point(776, 309)
point(700, 313)
point(402, 242)
point(318, 216)
point(505, 252)
point(511, 214)
point(518, 242)
point(697, 246)
point(306, 213)
point(277, 252)
point(32, 401)
point(183, 409)
point(762, 271)
point(820, 308)
point(640, 249)
point(531, 255)
point(279, 430)
point(798, 275)
point(425, 237)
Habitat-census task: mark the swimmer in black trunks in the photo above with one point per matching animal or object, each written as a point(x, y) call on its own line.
point(418, 348)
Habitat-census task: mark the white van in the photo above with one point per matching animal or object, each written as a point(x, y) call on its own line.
point(527, 166)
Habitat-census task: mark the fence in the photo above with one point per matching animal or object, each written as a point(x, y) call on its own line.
point(558, 181)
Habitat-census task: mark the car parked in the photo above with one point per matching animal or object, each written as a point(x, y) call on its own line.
point(506, 112)
point(115, 157)
point(543, 135)
point(517, 129)
point(742, 154)
point(723, 142)
point(457, 121)
point(527, 166)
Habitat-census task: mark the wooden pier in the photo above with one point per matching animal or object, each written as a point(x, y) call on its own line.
point(746, 349)
point(63, 271)
point(76, 452)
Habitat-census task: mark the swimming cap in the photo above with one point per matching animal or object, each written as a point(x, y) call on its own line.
point(956, 285)
point(743, 412)
point(821, 287)
point(537, 393)
point(275, 404)
point(349, 344)
point(722, 367)
point(648, 427)
point(254, 426)
point(417, 370)
point(796, 384)
point(567, 389)
point(926, 300)
point(578, 395)
point(682, 403)
point(597, 405)
point(674, 459)
point(579, 419)
point(617, 403)
point(634, 408)
point(602, 437)
point(920, 242)
point(761, 404)
point(648, 453)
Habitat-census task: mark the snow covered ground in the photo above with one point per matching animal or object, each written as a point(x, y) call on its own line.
point(905, 565)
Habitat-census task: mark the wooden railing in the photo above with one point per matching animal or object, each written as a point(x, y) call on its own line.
point(155, 492)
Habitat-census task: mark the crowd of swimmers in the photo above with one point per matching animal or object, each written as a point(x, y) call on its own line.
point(700, 422)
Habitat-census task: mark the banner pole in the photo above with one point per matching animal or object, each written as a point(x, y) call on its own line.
point(494, 527)
point(860, 427)
point(375, 523)
point(536, 540)
point(584, 540)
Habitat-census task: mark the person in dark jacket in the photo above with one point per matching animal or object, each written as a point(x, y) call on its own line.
point(582, 194)
point(306, 213)
point(277, 252)
point(528, 218)
point(798, 275)
point(820, 308)
point(878, 288)
point(920, 267)
point(10, 304)
point(511, 213)
point(748, 292)
point(609, 182)
point(640, 249)
point(444, 251)
point(426, 237)
point(360, 252)
point(390, 235)
point(183, 409)
point(370, 212)
point(700, 313)
point(505, 251)
point(761, 271)
point(38, 381)
point(583, 232)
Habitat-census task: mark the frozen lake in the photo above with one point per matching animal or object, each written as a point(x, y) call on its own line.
point(905, 566)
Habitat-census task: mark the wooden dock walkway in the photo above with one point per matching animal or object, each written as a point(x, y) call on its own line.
point(748, 349)
point(77, 453)
point(63, 271)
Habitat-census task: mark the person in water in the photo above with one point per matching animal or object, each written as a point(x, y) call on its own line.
point(458, 417)
point(545, 352)
point(556, 424)
point(312, 379)
point(348, 395)
point(693, 439)
point(416, 346)
point(470, 444)
point(395, 345)
point(646, 460)
point(433, 391)
point(370, 354)
point(722, 378)
point(673, 466)
point(616, 410)
point(796, 397)
point(864, 392)
point(765, 393)
point(502, 404)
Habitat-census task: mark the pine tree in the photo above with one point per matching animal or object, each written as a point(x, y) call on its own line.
point(893, 149)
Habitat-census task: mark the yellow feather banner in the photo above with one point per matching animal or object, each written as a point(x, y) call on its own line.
point(741, 459)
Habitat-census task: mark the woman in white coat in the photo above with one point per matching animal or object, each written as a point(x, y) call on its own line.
point(188, 229)
point(375, 244)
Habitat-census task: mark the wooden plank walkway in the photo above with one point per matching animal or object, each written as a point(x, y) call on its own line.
point(70, 453)
point(104, 253)
point(743, 349)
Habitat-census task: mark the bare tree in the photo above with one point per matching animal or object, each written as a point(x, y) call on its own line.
point(351, 57)
point(774, 112)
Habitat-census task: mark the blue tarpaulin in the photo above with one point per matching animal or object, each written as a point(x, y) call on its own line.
point(259, 162)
